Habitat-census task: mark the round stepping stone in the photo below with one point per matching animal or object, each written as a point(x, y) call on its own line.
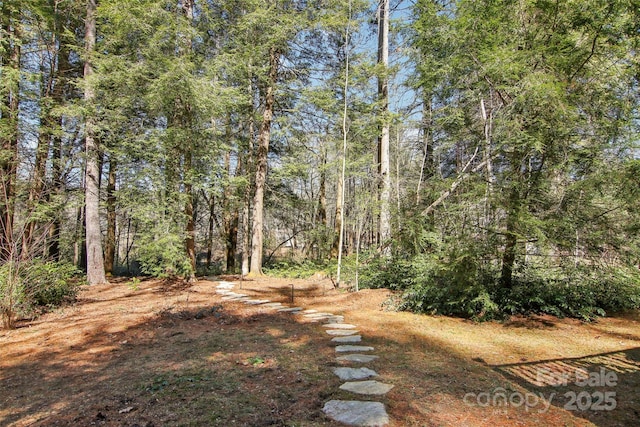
point(366, 387)
point(355, 413)
point(339, 326)
point(310, 311)
point(318, 315)
point(290, 309)
point(223, 291)
point(335, 319)
point(347, 339)
point(347, 348)
point(362, 358)
point(256, 301)
point(341, 332)
point(347, 374)
point(225, 285)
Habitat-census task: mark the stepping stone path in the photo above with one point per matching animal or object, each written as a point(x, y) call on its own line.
point(348, 412)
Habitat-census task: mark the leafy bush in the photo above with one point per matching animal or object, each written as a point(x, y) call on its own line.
point(574, 292)
point(294, 270)
point(457, 284)
point(164, 257)
point(52, 283)
point(26, 286)
point(395, 274)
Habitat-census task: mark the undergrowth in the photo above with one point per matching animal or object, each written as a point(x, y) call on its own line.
point(467, 288)
point(294, 269)
point(27, 287)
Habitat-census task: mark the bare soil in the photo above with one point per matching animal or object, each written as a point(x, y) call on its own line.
point(169, 354)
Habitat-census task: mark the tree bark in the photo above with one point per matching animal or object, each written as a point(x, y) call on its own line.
point(95, 256)
point(230, 222)
point(210, 229)
point(322, 191)
point(11, 53)
point(61, 90)
point(337, 241)
point(427, 166)
point(261, 165)
point(509, 255)
point(384, 165)
point(190, 228)
point(246, 167)
point(110, 242)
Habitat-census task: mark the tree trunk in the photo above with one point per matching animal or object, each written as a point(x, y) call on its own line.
point(36, 188)
point(261, 165)
point(383, 142)
point(60, 92)
point(210, 229)
point(322, 192)
point(335, 248)
point(511, 240)
point(110, 242)
point(53, 241)
point(427, 166)
point(95, 257)
point(9, 120)
point(246, 168)
point(190, 241)
point(230, 222)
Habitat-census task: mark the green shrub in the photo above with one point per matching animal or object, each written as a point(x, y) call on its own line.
point(51, 283)
point(294, 270)
point(164, 257)
point(457, 284)
point(27, 286)
point(394, 274)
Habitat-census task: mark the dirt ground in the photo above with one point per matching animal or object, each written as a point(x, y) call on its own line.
point(157, 354)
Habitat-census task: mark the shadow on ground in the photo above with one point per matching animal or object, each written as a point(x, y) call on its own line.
point(204, 365)
point(601, 388)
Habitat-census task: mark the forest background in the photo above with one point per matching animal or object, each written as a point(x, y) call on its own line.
point(481, 157)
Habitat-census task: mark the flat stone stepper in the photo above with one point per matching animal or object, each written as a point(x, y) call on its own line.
point(360, 358)
point(339, 326)
point(341, 332)
point(356, 413)
point(366, 387)
point(348, 348)
point(349, 374)
point(347, 339)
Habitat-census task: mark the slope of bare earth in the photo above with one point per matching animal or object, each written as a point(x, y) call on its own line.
point(159, 354)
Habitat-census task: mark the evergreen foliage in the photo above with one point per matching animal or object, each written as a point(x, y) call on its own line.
point(513, 151)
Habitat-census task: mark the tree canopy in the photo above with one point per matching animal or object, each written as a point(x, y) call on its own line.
point(202, 136)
